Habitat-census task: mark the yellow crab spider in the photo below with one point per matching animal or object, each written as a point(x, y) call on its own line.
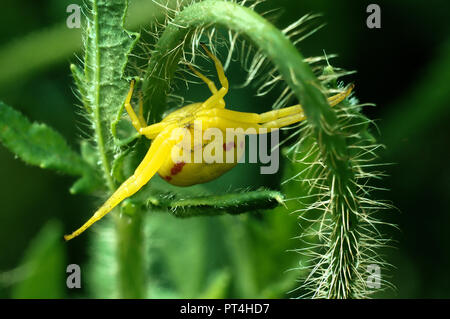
point(210, 114)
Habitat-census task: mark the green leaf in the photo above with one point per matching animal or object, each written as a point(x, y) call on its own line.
point(78, 77)
point(39, 145)
point(45, 264)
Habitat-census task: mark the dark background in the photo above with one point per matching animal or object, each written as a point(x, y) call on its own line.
point(404, 68)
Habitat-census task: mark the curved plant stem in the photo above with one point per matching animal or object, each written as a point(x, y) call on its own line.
point(277, 47)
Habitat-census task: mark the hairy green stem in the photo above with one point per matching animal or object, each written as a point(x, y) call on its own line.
point(216, 205)
point(130, 254)
point(301, 80)
point(108, 46)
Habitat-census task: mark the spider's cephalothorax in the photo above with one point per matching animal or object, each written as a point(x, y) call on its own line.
point(181, 158)
point(203, 154)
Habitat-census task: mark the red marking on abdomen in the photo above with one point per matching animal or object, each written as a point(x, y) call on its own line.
point(177, 168)
point(229, 146)
point(167, 178)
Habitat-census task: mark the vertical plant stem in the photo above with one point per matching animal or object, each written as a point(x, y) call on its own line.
point(130, 254)
point(239, 254)
point(108, 45)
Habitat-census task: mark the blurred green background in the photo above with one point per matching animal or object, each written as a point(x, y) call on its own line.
point(404, 68)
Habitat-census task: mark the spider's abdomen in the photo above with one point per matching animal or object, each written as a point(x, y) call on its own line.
point(198, 161)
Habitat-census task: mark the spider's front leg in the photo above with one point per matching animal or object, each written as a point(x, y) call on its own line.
point(156, 155)
point(271, 120)
point(293, 114)
point(138, 121)
point(216, 99)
